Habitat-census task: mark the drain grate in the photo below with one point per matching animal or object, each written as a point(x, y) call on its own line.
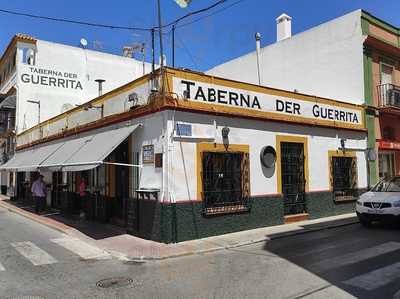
point(114, 282)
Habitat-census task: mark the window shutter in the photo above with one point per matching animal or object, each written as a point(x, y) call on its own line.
point(245, 170)
point(353, 174)
point(332, 172)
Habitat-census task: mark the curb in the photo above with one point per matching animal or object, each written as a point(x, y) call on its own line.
point(141, 259)
point(32, 217)
point(240, 244)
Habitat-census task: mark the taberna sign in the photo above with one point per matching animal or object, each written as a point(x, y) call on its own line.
point(274, 104)
point(50, 77)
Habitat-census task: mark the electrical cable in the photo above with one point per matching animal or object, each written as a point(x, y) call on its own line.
point(187, 51)
point(194, 13)
point(210, 15)
point(73, 21)
point(109, 26)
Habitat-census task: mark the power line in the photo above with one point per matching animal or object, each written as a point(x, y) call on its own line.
point(109, 26)
point(72, 21)
point(210, 15)
point(187, 51)
point(195, 13)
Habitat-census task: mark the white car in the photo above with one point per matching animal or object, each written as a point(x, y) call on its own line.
point(382, 202)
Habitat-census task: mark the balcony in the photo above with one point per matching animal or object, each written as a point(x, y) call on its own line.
point(389, 97)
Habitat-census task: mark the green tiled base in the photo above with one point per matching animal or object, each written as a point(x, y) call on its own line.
point(171, 223)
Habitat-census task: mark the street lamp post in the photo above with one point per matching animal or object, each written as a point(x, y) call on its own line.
point(182, 4)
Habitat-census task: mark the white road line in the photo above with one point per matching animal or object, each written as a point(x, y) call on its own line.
point(375, 279)
point(2, 267)
point(33, 253)
point(358, 256)
point(84, 250)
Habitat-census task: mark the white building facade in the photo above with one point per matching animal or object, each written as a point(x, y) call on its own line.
point(209, 156)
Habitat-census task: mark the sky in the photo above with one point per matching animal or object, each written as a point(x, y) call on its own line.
point(226, 34)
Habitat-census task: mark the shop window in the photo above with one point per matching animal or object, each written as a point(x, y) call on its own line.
point(344, 177)
point(388, 133)
point(226, 182)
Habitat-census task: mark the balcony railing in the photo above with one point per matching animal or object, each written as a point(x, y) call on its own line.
point(389, 95)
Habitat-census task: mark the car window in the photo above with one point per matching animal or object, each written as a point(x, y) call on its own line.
point(394, 185)
point(381, 186)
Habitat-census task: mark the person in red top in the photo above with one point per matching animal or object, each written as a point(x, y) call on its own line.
point(82, 195)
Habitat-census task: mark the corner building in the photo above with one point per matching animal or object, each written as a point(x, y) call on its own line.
point(208, 157)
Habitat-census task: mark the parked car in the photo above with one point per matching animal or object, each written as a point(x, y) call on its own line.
point(381, 203)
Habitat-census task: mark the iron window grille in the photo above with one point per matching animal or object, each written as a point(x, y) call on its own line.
point(223, 183)
point(293, 178)
point(344, 177)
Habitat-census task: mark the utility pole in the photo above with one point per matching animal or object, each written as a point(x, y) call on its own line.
point(173, 45)
point(152, 51)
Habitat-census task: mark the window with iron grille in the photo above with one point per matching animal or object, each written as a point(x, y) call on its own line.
point(344, 177)
point(225, 182)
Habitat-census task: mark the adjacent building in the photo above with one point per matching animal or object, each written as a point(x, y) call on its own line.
point(41, 79)
point(209, 156)
point(354, 58)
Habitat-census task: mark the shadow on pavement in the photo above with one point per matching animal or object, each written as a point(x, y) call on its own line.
point(342, 252)
point(92, 229)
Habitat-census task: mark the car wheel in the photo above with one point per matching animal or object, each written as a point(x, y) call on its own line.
point(365, 223)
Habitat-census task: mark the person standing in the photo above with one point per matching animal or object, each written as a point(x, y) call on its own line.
point(82, 197)
point(39, 194)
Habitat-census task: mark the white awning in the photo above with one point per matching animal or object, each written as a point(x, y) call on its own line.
point(30, 159)
point(88, 151)
point(74, 154)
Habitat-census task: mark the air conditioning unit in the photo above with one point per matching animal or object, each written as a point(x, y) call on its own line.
point(393, 97)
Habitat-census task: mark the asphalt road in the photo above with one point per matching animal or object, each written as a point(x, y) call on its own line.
point(344, 262)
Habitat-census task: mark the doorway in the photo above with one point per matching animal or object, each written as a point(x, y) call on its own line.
point(121, 183)
point(386, 165)
point(293, 177)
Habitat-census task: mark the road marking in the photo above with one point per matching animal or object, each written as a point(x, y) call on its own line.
point(33, 253)
point(326, 247)
point(84, 250)
point(375, 279)
point(2, 267)
point(359, 256)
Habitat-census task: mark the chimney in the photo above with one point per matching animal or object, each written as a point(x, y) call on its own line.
point(283, 27)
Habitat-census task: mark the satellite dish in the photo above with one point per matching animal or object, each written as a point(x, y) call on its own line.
point(83, 42)
point(66, 107)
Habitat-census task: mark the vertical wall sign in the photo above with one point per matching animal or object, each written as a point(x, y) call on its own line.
point(148, 153)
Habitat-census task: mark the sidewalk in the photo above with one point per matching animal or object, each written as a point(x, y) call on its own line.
point(130, 248)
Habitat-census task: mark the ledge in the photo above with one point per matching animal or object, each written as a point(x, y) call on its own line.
point(216, 211)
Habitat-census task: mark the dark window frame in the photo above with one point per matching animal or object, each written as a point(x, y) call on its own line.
point(344, 180)
point(224, 179)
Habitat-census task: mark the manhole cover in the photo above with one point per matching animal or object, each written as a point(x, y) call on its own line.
point(114, 282)
point(28, 297)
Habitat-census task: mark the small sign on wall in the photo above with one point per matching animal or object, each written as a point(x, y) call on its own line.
point(158, 160)
point(148, 153)
point(183, 129)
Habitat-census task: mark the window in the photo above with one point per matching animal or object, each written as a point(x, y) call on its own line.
point(344, 177)
point(388, 133)
point(386, 74)
point(28, 56)
point(388, 185)
point(386, 165)
point(226, 182)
